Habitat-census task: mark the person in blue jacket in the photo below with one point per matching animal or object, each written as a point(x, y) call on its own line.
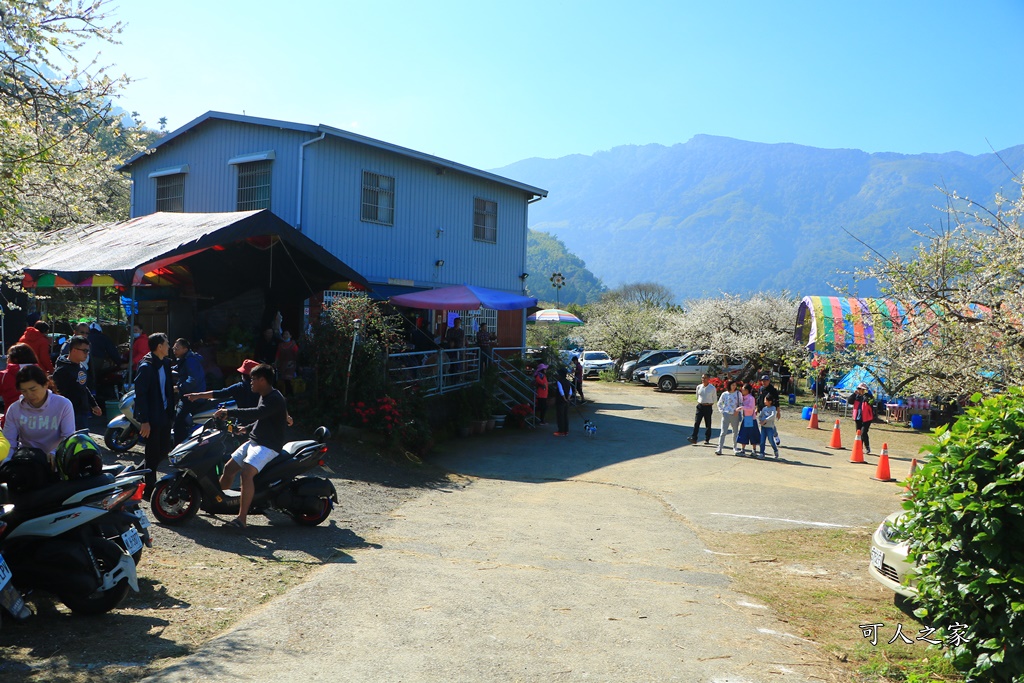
point(190, 379)
point(154, 404)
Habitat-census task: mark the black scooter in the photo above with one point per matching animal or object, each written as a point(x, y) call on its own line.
point(200, 461)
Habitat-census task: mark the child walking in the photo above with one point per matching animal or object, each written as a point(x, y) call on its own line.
point(766, 419)
point(748, 430)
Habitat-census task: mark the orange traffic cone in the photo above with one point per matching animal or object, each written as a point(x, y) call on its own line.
point(882, 472)
point(913, 468)
point(813, 424)
point(858, 449)
point(837, 438)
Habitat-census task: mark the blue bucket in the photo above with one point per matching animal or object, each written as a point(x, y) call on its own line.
point(806, 412)
point(792, 399)
point(916, 421)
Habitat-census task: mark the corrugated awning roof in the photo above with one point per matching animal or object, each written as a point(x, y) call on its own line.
point(127, 250)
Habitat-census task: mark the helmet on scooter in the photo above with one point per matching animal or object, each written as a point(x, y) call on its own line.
point(79, 457)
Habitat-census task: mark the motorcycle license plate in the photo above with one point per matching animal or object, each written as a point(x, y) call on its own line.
point(877, 557)
point(5, 573)
point(143, 519)
point(132, 541)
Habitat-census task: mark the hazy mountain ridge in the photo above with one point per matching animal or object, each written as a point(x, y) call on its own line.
point(719, 214)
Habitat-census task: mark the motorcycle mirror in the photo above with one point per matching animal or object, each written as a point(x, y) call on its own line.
point(322, 434)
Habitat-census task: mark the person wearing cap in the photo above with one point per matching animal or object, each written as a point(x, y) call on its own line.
point(154, 404)
point(540, 381)
point(240, 392)
point(863, 413)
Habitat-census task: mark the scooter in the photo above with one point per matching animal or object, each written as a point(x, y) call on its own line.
point(122, 432)
point(200, 461)
point(53, 541)
point(11, 599)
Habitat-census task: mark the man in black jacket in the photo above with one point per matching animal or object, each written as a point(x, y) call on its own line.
point(266, 438)
point(154, 404)
point(72, 381)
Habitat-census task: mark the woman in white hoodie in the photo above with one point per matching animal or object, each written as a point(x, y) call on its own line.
point(40, 418)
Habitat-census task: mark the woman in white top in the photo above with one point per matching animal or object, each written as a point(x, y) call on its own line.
point(729, 404)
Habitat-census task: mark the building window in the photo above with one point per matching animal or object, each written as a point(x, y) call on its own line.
point(485, 220)
point(378, 198)
point(254, 186)
point(170, 193)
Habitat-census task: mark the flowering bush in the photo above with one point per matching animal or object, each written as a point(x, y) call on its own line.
point(517, 416)
point(381, 416)
point(397, 422)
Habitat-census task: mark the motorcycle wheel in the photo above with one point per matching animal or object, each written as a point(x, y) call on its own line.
point(121, 441)
point(316, 517)
point(107, 554)
point(172, 506)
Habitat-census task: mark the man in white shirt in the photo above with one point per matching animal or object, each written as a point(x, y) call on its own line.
point(706, 398)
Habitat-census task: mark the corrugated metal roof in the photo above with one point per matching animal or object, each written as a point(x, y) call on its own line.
point(120, 249)
point(343, 134)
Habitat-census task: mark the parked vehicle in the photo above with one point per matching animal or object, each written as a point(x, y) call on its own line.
point(637, 370)
point(196, 484)
point(687, 370)
point(595, 362)
point(889, 565)
point(123, 431)
point(52, 541)
point(11, 599)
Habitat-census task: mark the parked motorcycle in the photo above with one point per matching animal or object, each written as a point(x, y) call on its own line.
point(53, 541)
point(122, 432)
point(200, 461)
point(10, 597)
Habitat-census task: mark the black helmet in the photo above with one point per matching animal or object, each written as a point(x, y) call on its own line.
point(79, 457)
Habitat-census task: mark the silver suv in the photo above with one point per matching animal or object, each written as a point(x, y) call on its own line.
point(687, 370)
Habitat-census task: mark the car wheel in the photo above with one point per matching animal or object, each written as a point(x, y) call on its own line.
point(667, 383)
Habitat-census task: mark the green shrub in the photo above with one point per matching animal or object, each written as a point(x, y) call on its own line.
point(965, 528)
point(609, 375)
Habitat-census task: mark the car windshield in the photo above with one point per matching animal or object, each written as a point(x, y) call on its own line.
point(596, 355)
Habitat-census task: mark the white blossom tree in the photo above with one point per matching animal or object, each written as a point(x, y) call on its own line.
point(757, 328)
point(623, 327)
point(965, 290)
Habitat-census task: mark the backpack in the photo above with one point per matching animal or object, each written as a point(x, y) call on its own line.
point(28, 469)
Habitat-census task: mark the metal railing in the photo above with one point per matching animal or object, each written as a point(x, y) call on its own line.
point(435, 372)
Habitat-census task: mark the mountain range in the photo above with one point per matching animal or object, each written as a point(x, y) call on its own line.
point(717, 214)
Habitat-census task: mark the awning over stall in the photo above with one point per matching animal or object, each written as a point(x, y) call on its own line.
point(219, 252)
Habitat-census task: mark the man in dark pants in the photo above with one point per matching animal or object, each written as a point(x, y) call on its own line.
point(563, 394)
point(72, 381)
point(154, 404)
point(707, 396)
point(190, 379)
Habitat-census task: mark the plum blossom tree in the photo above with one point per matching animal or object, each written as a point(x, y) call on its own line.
point(623, 327)
point(965, 288)
point(757, 328)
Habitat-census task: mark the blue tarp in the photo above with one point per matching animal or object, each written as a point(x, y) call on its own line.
point(860, 374)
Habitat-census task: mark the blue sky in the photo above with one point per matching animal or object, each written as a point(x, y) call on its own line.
point(488, 83)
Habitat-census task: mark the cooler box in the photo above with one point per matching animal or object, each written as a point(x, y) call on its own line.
point(806, 412)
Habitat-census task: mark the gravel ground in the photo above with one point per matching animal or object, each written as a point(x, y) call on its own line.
point(200, 579)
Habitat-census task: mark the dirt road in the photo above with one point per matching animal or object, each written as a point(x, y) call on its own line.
point(565, 559)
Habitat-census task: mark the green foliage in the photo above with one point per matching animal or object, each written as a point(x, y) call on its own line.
point(611, 375)
point(546, 254)
point(331, 347)
point(965, 525)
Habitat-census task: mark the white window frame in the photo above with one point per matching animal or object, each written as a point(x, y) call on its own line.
point(254, 169)
point(169, 183)
point(471, 322)
point(482, 231)
point(377, 203)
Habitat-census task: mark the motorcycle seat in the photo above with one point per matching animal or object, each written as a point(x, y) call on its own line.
point(293, 447)
point(56, 493)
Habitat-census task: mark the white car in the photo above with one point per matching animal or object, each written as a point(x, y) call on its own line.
point(889, 565)
point(595, 362)
point(687, 370)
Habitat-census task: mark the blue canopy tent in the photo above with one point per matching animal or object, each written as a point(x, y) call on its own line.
point(860, 374)
point(464, 298)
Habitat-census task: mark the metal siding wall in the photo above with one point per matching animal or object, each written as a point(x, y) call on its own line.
point(211, 183)
point(424, 202)
point(332, 189)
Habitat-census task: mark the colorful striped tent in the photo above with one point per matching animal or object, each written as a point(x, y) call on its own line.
point(830, 323)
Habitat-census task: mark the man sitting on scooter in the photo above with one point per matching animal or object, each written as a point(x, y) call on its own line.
point(266, 438)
